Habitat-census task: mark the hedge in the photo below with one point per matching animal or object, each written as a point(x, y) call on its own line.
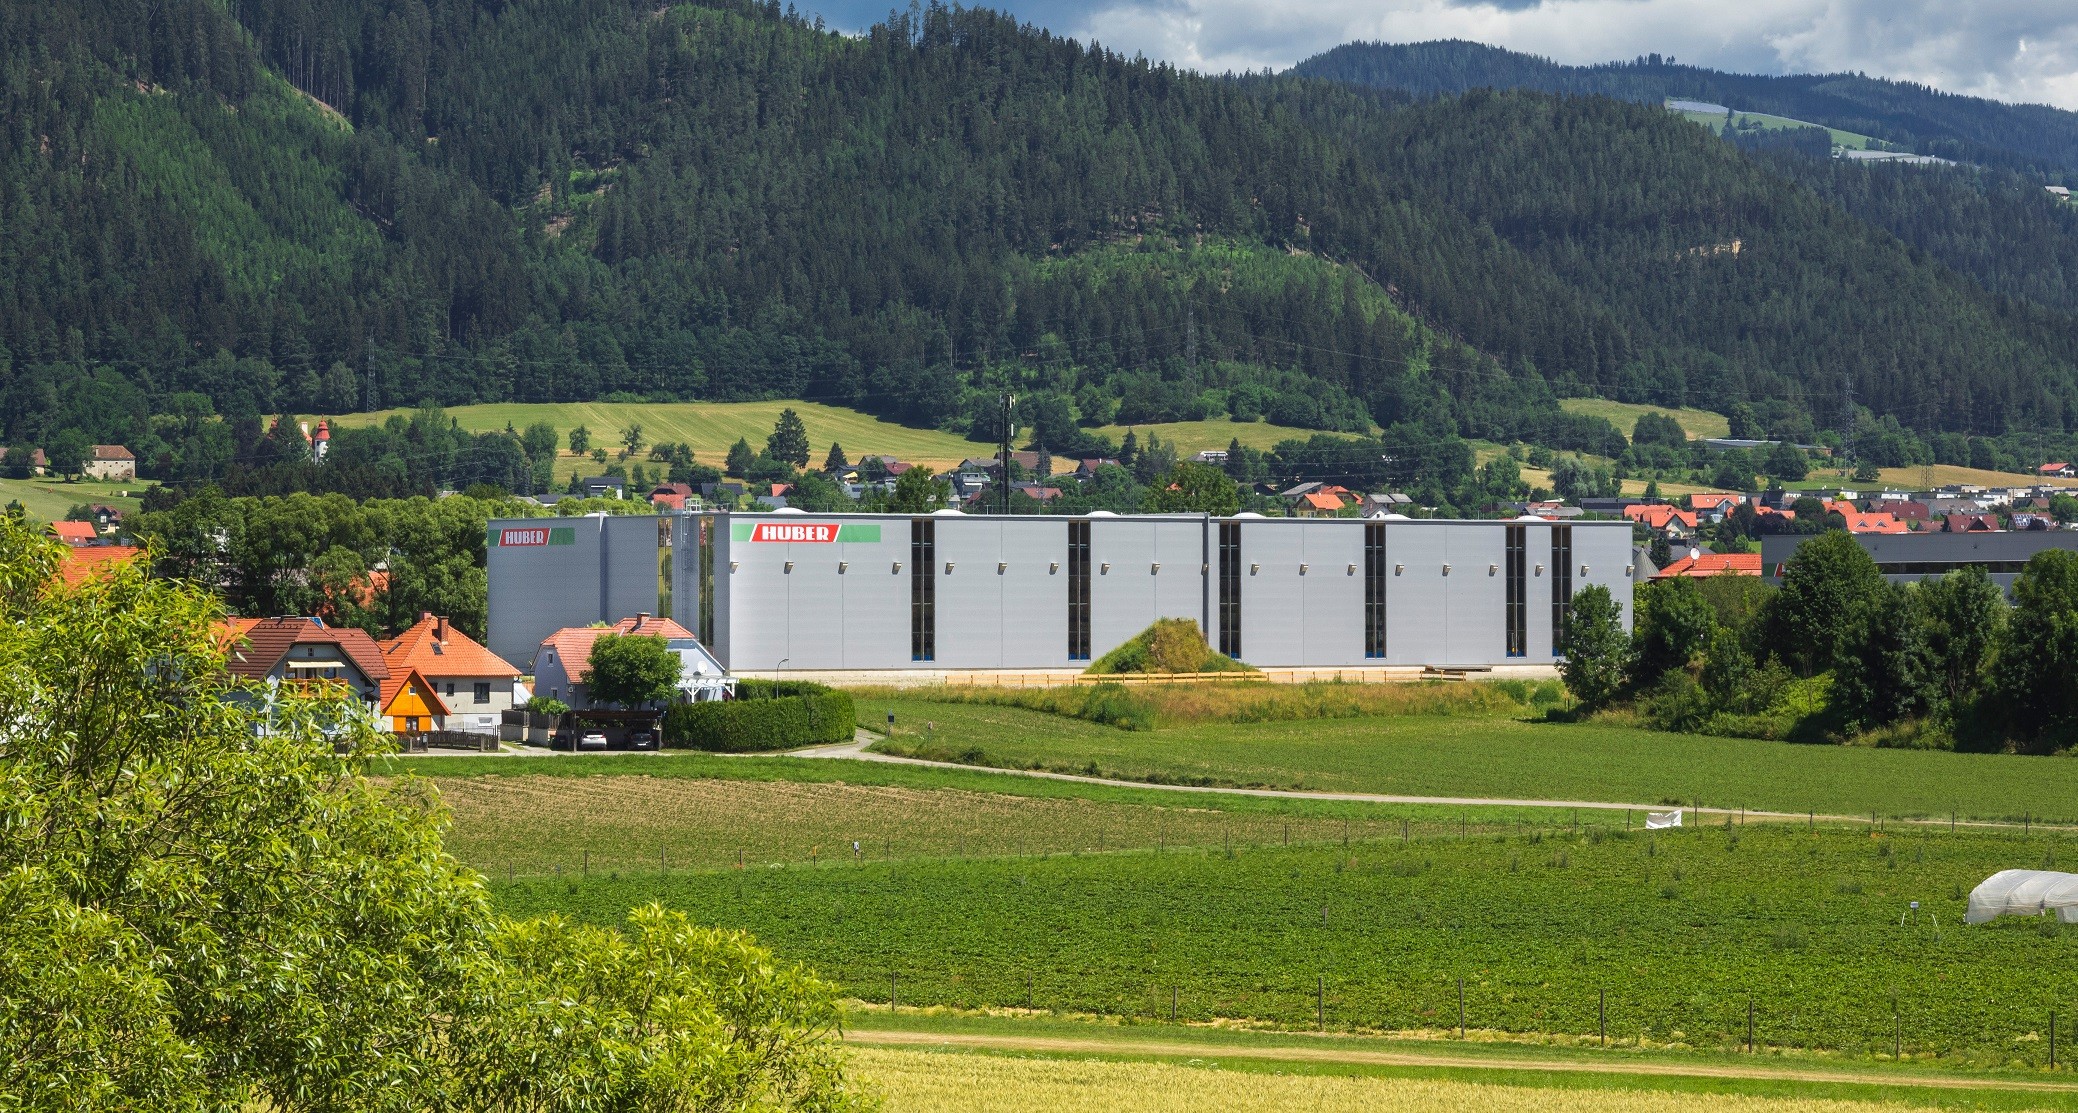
point(765, 715)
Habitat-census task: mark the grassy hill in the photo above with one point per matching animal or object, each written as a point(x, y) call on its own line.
point(47, 499)
point(1699, 424)
point(1196, 436)
point(711, 427)
point(1766, 122)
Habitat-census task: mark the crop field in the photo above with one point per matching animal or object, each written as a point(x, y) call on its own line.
point(1680, 930)
point(918, 1081)
point(711, 427)
point(1936, 475)
point(1498, 757)
point(541, 825)
point(1699, 424)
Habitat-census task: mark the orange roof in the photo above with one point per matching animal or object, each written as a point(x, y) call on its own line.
point(668, 501)
point(1713, 564)
point(1762, 511)
point(1708, 500)
point(82, 562)
point(75, 533)
point(1859, 522)
point(1320, 500)
point(2058, 466)
point(434, 649)
point(573, 644)
point(1658, 515)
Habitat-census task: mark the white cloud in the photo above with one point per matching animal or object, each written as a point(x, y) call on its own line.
point(2008, 49)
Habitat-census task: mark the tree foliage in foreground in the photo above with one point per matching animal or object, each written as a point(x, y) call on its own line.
point(195, 914)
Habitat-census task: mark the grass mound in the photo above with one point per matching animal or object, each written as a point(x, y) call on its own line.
point(1170, 645)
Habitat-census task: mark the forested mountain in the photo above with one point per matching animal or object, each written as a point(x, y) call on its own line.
point(262, 205)
point(1927, 120)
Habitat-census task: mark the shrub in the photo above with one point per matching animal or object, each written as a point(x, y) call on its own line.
point(547, 705)
point(765, 715)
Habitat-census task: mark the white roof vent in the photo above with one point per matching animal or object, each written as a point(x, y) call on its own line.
point(790, 510)
point(1248, 514)
point(1101, 514)
point(1396, 517)
point(948, 512)
point(1528, 518)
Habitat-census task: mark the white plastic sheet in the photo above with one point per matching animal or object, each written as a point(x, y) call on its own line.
point(2024, 893)
point(1659, 821)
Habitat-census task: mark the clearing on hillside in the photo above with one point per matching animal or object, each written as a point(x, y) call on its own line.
point(1699, 424)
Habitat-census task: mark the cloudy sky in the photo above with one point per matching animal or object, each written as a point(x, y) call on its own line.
point(2009, 49)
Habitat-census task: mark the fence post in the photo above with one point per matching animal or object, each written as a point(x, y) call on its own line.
point(1897, 1035)
point(1028, 990)
point(1320, 1003)
point(661, 868)
point(1461, 1008)
point(1602, 1017)
point(1172, 1004)
point(2052, 1039)
point(1749, 1025)
point(587, 863)
point(893, 992)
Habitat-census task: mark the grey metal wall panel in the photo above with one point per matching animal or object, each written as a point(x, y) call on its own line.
point(1034, 628)
point(724, 612)
point(1605, 551)
point(970, 596)
point(1537, 585)
point(1477, 629)
point(1122, 591)
point(759, 608)
point(1334, 586)
point(632, 569)
point(876, 598)
point(815, 605)
point(1179, 588)
point(1417, 613)
point(548, 573)
point(1273, 597)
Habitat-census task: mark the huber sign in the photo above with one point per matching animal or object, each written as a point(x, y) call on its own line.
point(814, 533)
point(522, 537)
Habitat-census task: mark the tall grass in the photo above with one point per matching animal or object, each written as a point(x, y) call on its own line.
point(1157, 707)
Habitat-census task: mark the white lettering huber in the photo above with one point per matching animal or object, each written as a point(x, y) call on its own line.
point(809, 532)
point(523, 537)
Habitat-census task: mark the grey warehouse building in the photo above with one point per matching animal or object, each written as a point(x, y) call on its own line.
point(1908, 557)
point(792, 591)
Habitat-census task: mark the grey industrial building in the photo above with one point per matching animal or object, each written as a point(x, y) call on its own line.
point(947, 591)
point(1908, 557)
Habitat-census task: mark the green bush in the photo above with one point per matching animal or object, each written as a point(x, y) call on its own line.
point(1171, 645)
point(765, 715)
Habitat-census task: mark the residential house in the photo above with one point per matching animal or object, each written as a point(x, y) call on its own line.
point(305, 654)
point(1969, 523)
point(1390, 503)
point(726, 491)
point(968, 483)
point(1217, 457)
point(1863, 521)
point(563, 657)
point(1671, 522)
point(2033, 522)
point(2059, 470)
point(1086, 469)
point(889, 464)
point(1712, 506)
point(1550, 510)
point(37, 465)
point(1697, 564)
point(1036, 492)
point(604, 487)
point(107, 517)
point(109, 462)
point(1908, 510)
point(76, 533)
point(1317, 504)
point(442, 679)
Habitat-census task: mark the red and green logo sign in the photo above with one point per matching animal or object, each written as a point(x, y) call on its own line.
point(804, 533)
point(520, 537)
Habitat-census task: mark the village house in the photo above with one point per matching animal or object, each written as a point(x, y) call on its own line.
point(36, 465)
point(110, 463)
point(75, 533)
point(1696, 565)
point(305, 655)
point(563, 657)
point(442, 679)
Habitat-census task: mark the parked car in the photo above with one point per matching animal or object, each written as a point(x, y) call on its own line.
point(592, 740)
point(642, 740)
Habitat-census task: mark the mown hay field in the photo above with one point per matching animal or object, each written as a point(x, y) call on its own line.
point(917, 1081)
point(1506, 755)
point(1682, 930)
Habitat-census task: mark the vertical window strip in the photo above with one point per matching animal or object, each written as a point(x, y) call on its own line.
point(1078, 591)
point(1518, 592)
point(1561, 583)
point(1374, 590)
point(1230, 589)
point(923, 590)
